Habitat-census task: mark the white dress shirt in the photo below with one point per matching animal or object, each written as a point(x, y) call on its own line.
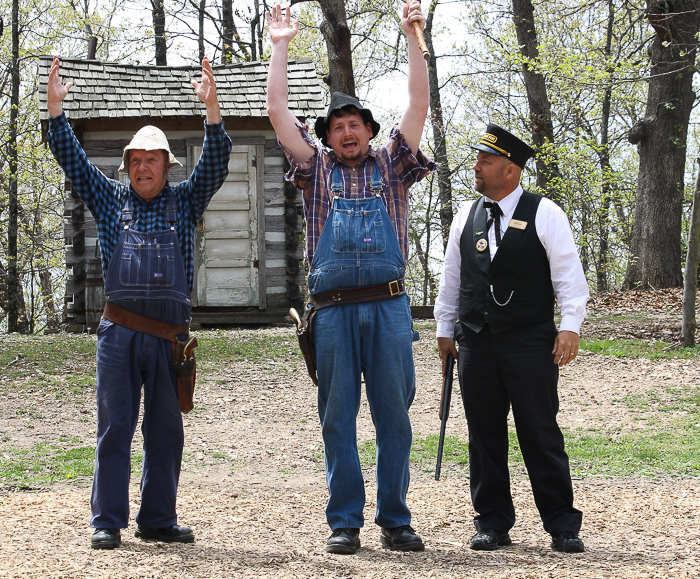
point(553, 231)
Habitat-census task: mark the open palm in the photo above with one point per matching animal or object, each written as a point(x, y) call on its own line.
point(279, 24)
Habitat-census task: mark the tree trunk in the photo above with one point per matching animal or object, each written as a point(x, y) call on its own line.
point(16, 321)
point(200, 38)
point(256, 32)
point(158, 10)
point(549, 179)
point(655, 260)
point(439, 133)
point(52, 318)
point(336, 33)
point(45, 278)
point(227, 31)
point(690, 285)
point(603, 259)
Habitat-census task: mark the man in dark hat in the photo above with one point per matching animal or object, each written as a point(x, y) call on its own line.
point(356, 208)
point(509, 254)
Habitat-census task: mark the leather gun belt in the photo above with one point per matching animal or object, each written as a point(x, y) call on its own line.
point(138, 323)
point(359, 294)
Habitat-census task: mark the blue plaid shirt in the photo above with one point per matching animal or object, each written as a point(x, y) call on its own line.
point(105, 197)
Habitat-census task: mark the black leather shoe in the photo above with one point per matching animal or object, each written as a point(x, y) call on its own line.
point(343, 541)
point(173, 534)
point(567, 542)
point(489, 540)
point(401, 538)
point(105, 539)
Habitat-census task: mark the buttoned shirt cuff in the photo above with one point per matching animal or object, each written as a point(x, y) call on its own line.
point(445, 329)
point(571, 323)
point(214, 127)
point(55, 122)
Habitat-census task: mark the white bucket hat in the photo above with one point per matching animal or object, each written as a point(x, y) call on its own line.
point(149, 138)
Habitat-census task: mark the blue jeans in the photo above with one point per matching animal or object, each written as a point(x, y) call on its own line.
point(373, 339)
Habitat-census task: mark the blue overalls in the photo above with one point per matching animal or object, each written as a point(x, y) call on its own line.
point(359, 247)
point(145, 275)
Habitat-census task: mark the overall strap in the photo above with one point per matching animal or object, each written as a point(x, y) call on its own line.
point(336, 182)
point(128, 212)
point(171, 211)
point(376, 185)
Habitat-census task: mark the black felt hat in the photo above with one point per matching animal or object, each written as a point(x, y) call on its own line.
point(498, 141)
point(341, 100)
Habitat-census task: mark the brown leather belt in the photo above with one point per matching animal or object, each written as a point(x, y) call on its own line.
point(139, 323)
point(359, 294)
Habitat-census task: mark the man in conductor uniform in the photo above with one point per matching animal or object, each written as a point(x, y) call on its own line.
point(510, 253)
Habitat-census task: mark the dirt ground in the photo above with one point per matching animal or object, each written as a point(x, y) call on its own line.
point(253, 487)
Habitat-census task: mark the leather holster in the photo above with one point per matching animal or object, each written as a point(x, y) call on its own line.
point(186, 370)
point(304, 325)
point(183, 350)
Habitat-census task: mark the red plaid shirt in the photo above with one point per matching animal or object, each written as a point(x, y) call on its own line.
point(398, 167)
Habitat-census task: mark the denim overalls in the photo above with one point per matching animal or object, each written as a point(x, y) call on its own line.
point(145, 275)
point(359, 247)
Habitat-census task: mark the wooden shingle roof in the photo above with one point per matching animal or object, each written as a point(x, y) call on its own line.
point(107, 90)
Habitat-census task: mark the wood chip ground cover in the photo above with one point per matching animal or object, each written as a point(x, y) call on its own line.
point(253, 487)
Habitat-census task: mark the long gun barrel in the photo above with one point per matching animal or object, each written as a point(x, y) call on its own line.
point(445, 400)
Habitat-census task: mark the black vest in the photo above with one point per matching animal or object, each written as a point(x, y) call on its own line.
point(516, 288)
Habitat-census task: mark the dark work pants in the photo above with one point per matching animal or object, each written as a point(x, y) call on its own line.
point(126, 361)
point(515, 369)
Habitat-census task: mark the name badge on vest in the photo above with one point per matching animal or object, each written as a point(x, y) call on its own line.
point(517, 224)
point(481, 245)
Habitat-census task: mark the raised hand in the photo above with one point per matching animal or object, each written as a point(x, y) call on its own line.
point(278, 24)
point(206, 92)
point(412, 13)
point(206, 89)
point(55, 90)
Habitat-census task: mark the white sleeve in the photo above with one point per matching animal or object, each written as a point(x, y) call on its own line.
point(446, 309)
point(568, 279)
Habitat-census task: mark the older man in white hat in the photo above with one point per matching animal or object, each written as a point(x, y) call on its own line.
point(146, 233)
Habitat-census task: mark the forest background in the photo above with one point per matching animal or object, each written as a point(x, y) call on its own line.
point(606, 90)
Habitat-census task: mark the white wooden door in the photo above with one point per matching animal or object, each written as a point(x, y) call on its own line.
point(226, 267)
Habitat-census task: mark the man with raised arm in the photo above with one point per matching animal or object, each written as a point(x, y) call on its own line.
point(356, 209)
point(146, 234)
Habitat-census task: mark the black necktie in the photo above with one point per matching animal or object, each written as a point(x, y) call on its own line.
point(495, 219)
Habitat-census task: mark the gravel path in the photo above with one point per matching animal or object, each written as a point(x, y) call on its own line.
point(253, 488)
